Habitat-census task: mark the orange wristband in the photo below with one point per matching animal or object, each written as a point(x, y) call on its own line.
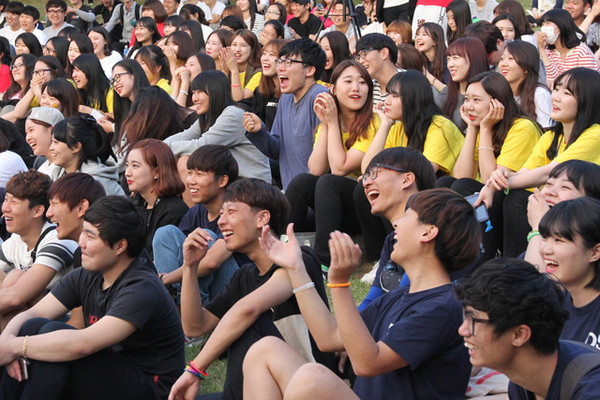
point(338, 285)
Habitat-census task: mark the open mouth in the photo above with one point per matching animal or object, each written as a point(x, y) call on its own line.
point(227, 233)
point(551, 266)
point(372, 194)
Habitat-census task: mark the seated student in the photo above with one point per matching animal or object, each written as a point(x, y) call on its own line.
point(132, 338)
point(93, 86)
point(29, 19)
point(568, 180)
point(156, 66)
point(378, 54)
point(10, 162)
point(466, 57)
point(575, 136)
point(420, 123)
point(80, 145)
point(335, 46)
point(151, 174)
point(513, 316)
point(341, 141)
point(69, 198)
point(491, 37)
point(303, 24)
point(386, 197)
point(258, 300)
point(56, 11)
point(562, 45)
point(570, 249)
point(211, 169)
point(243, 61)
point(520, 65)
point(499, 133)
point(404, 342)
point(290, 140)
point(342, 22)
point(38, 129)
point(429, 41)
point(219, 122)
point(32, 259)
point(60, 93)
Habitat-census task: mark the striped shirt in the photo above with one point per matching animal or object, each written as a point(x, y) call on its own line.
point(580, 56)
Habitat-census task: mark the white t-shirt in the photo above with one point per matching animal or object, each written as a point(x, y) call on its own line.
point(10, 164)
point(46, 168)
point(109, 62)
point(51, 252)
point(41, 36)
point(10, 35)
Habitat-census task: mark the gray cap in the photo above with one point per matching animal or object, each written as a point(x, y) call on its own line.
point(48, 115)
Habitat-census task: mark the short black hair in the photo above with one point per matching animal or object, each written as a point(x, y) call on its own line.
point(56, 4)
point(308, 51)
point(513, 292)
point(116, 218)
point(31, 11)
point(74, 187)
point(214, 158)
point(260, 195)
point(488, 33)
point(378, 41)
point(583, 174)
point(14, 7)
point(233, 22)
point(409, 159)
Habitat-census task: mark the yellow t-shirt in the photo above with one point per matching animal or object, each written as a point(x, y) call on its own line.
point(585, 148)
point(110, 101)
point(361, 144)
point(164, 85)
point(253, 82)
point(442, 144)
point(518, 144)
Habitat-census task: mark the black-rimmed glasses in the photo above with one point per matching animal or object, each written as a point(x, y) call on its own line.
point(288, 62)
point(471, 321)
point(374, 170)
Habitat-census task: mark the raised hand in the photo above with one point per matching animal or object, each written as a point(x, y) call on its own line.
point(345, 257)
point(286, 255)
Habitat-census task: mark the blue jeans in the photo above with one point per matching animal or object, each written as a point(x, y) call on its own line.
point(167, 246)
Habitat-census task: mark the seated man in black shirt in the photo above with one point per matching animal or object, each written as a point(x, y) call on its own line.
point(132, 345)
point(513, 316)
point(304, 24)
point(258, 300)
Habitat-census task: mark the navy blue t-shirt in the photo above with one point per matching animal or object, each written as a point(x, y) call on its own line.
point(583, 324)
point(586, 389)
point(422, 328)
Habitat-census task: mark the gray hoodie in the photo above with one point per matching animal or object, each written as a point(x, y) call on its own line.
point(106, 174)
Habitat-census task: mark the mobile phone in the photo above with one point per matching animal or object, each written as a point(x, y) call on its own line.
point(319, 7)
point(23, 363)
point(480, 212)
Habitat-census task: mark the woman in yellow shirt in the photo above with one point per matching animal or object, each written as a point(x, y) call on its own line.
point(347, 128)
point(576, 135)
point(243, 61)
point(93, 85)
point(500, 135)
point(410, 118)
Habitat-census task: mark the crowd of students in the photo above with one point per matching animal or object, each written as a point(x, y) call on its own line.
point(152, 157)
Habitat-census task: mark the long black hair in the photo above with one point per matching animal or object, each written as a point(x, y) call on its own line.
point(418, 107)
point(584, 84)
point(85, 130)
point(216, 85)
point(94, 94)
point(122, 105)
point(570, 35)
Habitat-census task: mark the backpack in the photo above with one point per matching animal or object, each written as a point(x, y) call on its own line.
point(576, 369)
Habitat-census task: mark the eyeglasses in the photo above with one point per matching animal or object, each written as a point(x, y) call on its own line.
point(59, 11)
point(471, 321)
point(288, 62)
point(41, 71)
point(363, 54)
point(117, 77)
point(16, 66)
point(374, 170)
point(273, 13)
point(49, 51)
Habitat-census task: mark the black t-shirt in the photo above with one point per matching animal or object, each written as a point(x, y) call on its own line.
point(138, 297)
point(586, 389)
point(310, 27)
point(265, 108)
point(244, 281)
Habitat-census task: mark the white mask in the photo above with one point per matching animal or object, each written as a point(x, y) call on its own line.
point(551, 37)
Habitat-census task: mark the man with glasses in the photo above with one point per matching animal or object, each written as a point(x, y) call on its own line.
point(304, 24)
point(378, 54)
point(12, 28)
point(390, 179)
point(513, 317)
point(290, 141)
point(56, 11)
